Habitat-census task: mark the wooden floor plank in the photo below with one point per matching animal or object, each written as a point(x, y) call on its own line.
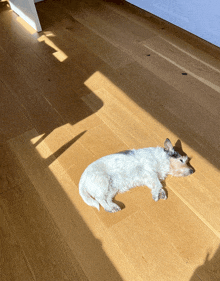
point(147, 255)
point(105, 76)
point(161, 215)
point(184, 105)
point(47, 255)
point(13, 262)
point(197, 66)
point(37, 108)
point(124, 119)
point(93, 41)
point(56, 189)
point(14, 119)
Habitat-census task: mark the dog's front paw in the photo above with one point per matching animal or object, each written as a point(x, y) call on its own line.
point(114, 209)
point(163, 195)
point(155, 197)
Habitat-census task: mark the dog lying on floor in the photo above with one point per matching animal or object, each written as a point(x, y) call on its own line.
point(117, 173)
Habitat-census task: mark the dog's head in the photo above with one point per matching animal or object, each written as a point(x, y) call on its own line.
point(178, 164)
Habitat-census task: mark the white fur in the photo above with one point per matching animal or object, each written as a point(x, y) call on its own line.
point(119, 172)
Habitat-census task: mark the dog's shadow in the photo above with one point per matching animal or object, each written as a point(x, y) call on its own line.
point(119, 203)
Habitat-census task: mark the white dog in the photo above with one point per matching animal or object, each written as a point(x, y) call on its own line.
point(119, 172)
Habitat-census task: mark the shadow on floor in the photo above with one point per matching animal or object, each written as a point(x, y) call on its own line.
point(210, 270)
point(180, 113)
point(33, 201)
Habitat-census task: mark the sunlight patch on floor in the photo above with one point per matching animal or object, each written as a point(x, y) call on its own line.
point(59, 54)
point(99, 81)
point(29, 28)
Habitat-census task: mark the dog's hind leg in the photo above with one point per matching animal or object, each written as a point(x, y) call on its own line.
point(114, 207)
point(107, 203)
point(108, 206)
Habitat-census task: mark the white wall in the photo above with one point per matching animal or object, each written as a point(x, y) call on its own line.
point(200, 17)
point(27, 11)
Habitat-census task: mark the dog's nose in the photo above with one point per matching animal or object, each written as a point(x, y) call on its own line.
point(191, 171)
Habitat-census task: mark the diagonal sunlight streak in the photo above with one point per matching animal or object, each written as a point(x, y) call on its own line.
point(111, 111)
point(59, 54)
point(51, 160)
point(27, 26)
point(52, 189)
point(208, 83)
point(78, 229)
point(65, 153)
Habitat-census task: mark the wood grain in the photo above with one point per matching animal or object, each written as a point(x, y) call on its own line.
point(101, 77)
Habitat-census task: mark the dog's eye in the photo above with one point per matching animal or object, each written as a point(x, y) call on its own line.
point(181, 160)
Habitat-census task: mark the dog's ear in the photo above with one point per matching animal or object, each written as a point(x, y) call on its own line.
point(168, 147)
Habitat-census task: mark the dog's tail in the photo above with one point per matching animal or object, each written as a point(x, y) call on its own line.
point(87, 198)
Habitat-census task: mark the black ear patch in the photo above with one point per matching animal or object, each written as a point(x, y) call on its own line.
point(172, 153)
point(168, 148)
point(175, 154)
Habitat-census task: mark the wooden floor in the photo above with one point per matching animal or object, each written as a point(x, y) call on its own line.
point(103, 77)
